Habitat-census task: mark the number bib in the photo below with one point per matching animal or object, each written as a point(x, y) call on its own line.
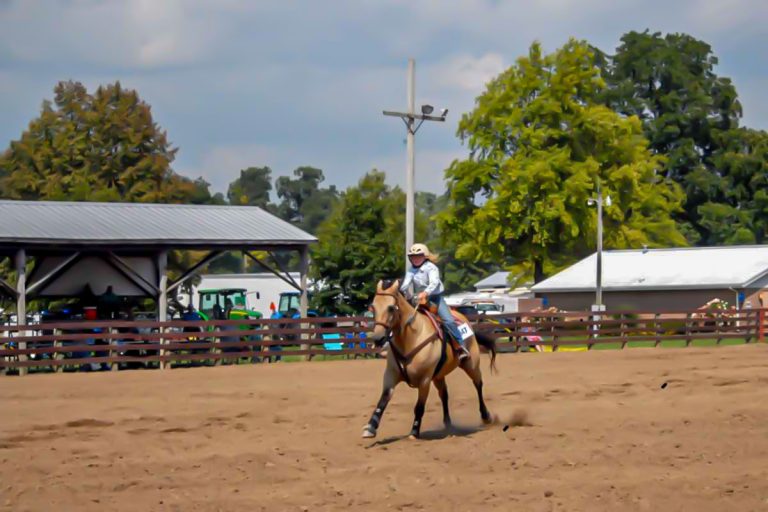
point(465, 330)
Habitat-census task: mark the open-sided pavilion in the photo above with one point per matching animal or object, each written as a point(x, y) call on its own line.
point(71, 245)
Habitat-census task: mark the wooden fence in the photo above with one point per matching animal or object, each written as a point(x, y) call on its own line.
point(121, 344)
point(621, 328)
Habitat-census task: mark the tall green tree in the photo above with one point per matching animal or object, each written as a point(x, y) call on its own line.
point(252, 188)
point(202, 194)
point(93, 147)
point(457, 275)
point(304, 202)
point(360, 243)
point(688, 113)
point(540, 141)
point(740, 215)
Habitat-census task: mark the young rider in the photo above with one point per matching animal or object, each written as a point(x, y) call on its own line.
point(425, 277)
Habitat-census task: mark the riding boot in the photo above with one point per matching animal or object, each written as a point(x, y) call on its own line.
point(463, 352)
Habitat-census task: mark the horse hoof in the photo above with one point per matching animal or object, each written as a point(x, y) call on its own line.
point(368, 433)
point(413, 437)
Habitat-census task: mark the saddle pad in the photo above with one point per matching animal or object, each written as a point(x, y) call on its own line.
point(464, 328)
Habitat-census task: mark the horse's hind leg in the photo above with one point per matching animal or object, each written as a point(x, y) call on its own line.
point(388, 389)
point(418, 411)
point(442, 389)
point(477, 379)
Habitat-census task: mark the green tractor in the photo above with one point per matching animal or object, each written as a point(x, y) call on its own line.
point(228, 304)
point(225, 304)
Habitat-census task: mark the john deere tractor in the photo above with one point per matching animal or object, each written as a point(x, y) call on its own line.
point(225, 304)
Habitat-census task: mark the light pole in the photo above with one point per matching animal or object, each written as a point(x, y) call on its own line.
point(599, 277)
point(409, 118)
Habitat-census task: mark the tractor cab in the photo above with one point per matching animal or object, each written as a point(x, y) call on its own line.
point(289, 306)
point(225, 304)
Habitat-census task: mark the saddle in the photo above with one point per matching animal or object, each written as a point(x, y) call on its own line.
point(430, 311)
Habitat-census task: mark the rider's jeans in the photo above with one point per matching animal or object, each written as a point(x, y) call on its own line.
point(445, 315)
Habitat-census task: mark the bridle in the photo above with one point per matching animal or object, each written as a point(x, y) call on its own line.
point(402, 360)
point(393, 310)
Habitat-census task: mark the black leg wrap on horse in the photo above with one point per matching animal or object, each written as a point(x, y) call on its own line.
point(379, 411)
point(418, 413)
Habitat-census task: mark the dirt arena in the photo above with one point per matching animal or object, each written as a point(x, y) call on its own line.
point(601, 434)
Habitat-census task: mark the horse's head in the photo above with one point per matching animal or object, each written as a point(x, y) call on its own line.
point(385, 310)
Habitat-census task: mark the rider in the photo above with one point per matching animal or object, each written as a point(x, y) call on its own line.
point(425, 277)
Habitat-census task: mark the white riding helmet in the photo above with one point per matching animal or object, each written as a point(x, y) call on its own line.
point(419, 250)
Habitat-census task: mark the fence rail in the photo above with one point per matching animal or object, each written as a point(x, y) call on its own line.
point(115, 344)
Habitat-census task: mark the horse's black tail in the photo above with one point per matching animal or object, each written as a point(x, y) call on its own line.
point(488, 341)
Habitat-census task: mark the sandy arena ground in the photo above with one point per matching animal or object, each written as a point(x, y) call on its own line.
point(603, 436)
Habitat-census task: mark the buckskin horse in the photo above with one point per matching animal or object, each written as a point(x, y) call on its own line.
point(418, 356)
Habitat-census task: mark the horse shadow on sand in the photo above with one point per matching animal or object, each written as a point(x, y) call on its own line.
point(433, 435)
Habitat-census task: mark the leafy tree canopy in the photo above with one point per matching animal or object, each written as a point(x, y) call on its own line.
point(304, 203)
point(540, 141)
point(360, 243)
point(103, 146)
point(252, 188)
point(689, 114)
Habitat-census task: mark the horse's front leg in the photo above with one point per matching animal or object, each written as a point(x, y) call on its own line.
point(418, 411)
point(388, 389)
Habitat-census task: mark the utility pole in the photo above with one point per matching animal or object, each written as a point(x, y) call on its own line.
point(599, 277)
point(599, 201)
point(409, 118)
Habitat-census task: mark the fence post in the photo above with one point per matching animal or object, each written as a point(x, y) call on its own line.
point(761, 325)
point(719, 321)
point(113, 365)
point(657, 329)
point(58, 356)
point(553, 320)
point(622, 326)
point(623, 332)
point(688, 329)
point(217, 339)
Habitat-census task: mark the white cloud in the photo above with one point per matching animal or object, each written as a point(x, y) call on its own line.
point(468, 73)
point(124, 34)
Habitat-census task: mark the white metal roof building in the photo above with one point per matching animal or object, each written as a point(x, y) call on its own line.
point(638, 278)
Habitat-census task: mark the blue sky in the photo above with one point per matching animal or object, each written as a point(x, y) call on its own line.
point(288, 83)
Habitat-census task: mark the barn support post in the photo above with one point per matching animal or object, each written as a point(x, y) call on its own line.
point(21, 301)
point(303, 301)
point(162, 298)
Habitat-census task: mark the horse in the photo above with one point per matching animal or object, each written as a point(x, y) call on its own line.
point(418, 357)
